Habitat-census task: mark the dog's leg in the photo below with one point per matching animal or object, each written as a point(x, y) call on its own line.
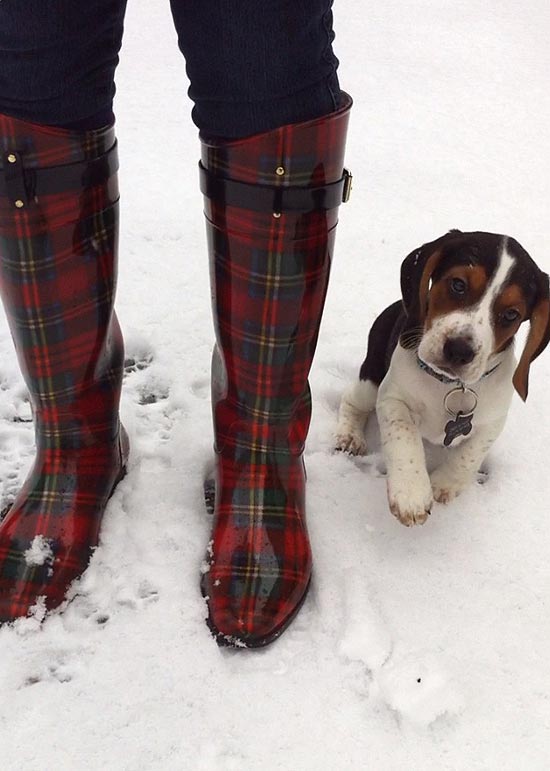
point(409, 489)
point(463, 462)
point(358, 401)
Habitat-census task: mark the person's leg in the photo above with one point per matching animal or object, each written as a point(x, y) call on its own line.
point(58, 239)
point(264, 71)
point(255, 65)
point(57, 60)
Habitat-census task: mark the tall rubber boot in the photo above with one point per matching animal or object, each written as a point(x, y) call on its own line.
point(58, 243)
point(271, 205)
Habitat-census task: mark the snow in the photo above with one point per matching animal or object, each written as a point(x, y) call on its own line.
point(40, 551)
point(423, 648)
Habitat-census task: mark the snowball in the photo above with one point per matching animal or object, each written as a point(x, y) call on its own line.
point(418, 688)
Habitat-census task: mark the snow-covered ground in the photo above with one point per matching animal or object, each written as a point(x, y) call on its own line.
point(421, 648)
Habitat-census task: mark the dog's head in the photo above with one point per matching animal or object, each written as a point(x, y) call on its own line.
point(465, 296)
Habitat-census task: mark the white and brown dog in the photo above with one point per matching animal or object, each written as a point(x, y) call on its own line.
point(440, 365)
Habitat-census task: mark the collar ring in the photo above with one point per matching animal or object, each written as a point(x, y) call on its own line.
point(462, 390)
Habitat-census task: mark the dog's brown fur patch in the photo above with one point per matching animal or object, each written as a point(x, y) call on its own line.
point(441, 299)
point(511, 297)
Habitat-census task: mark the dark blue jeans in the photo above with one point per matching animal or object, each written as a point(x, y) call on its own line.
point(254, 65)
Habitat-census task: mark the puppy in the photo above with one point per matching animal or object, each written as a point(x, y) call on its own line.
point(440, 364)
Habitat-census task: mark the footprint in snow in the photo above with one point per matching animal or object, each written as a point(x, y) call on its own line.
point(95, 602)
point(62, 672)
point(137, 363)
point(136, 597)
point(151, 393)
point(147, 385)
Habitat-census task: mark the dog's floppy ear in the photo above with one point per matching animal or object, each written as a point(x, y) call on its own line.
point(538, 337)
point(416, 272)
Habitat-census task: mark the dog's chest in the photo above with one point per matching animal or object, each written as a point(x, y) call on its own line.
point(441, 427)
point(442, 413)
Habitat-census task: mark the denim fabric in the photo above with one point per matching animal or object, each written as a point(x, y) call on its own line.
point(254, 65)
point(58, 58)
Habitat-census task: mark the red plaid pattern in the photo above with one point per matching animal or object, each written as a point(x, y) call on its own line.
point(57, 280)
point(269, 279)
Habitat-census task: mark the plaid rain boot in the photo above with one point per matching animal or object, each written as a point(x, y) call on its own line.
point(271, 205)
point(58, 240)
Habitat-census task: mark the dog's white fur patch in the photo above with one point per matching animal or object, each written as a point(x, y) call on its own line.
point(358, 401)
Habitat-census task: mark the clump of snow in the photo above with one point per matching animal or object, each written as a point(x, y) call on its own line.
point(419, 688)
point(31, 623)
point(40, 551)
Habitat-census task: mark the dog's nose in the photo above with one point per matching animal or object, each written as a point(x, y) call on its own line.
point(458, 350)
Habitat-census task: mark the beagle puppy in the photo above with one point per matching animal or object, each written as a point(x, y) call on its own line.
point(440, 364)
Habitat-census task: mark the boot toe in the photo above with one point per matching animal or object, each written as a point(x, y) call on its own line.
point(257, 619)
point(36, 571)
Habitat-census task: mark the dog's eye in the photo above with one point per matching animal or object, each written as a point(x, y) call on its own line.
point(458, 286)
point(509, 316)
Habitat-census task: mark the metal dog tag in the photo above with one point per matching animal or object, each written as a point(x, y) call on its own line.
point(461, 423)
point(460, 426)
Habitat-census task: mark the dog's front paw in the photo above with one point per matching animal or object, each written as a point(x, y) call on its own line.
point(352, 442)
point(446, 485)
point(411, 499)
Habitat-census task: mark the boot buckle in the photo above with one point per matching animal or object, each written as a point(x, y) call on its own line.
point(348, 184)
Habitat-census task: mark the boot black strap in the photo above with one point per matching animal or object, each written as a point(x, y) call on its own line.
point(265, 198)
point(22, 186)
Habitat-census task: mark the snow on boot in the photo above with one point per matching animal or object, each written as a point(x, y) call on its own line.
point(271, 205)
point(58, 242)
